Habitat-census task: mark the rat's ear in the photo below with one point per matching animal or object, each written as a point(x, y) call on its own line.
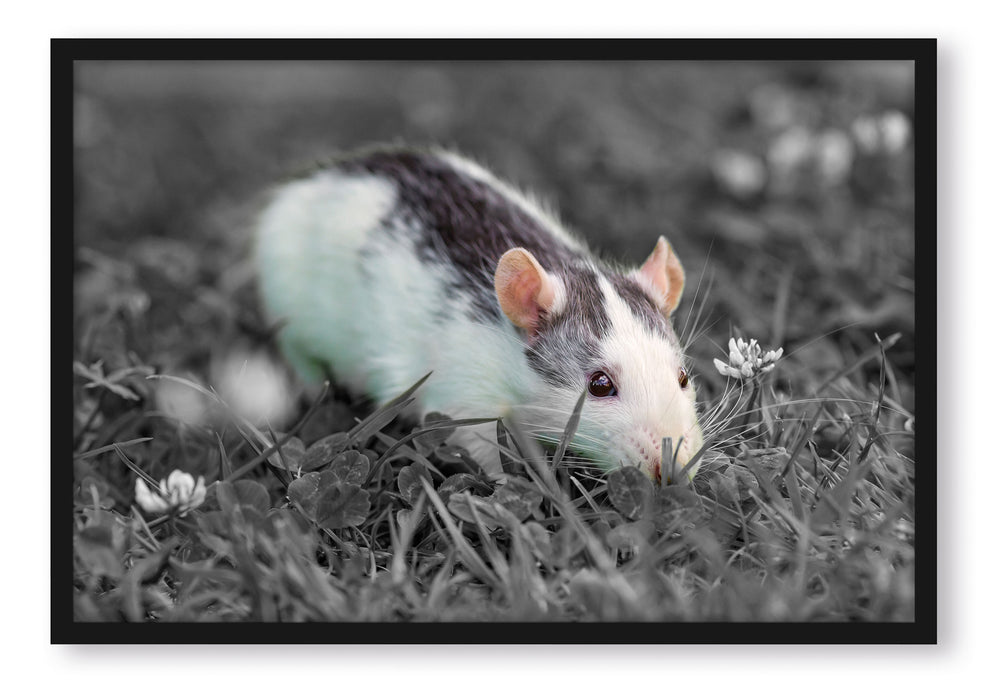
point(523, 288)
point(663, 271)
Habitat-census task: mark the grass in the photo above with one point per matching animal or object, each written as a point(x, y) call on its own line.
point(802, 508)
point(804, 513)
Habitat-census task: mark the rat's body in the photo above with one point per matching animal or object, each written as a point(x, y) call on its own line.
point(394, 263)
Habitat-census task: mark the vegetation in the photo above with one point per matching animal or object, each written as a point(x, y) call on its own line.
point(788, 193)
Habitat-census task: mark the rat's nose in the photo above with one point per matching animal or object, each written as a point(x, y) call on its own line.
point(680, 461)
point(655, 470)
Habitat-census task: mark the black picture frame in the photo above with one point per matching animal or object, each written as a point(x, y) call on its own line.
point(66, 52)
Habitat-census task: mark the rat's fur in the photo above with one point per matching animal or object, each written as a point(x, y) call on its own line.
point(383, 265)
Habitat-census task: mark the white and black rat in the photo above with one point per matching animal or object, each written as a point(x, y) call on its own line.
point(394, 262)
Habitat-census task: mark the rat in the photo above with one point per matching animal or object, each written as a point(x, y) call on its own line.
point(393, 262)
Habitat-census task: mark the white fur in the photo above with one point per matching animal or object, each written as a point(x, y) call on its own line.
point(307, 251)
point(381, 330)
point(559, 295)
point(650, 404)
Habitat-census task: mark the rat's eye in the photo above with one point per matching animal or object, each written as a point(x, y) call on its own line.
point(601, 385)
point(682, 378)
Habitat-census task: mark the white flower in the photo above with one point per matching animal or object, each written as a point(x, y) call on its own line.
point(179, 492)
point(887, 133)
point(739, 173)
point(790, 151)
point(895, 130)
point(255, 388)
point(866, 131)
point(835, 155)
point(747, 360)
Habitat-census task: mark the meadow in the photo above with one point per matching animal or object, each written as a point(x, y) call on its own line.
point(787, 190)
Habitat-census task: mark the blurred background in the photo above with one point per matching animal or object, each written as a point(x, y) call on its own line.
point(786, 189)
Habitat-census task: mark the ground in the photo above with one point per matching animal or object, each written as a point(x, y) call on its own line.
point(786, 190)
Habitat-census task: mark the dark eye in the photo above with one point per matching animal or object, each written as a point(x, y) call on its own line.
point(682, 378)
point(601, 385)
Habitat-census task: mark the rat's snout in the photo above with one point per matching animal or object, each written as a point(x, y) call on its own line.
point(646, 447)
point(656, 471)
point(682, 454)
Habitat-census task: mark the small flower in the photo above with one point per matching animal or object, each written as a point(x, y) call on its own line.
point(895, 130)
point(179, 492)
point(739, 173)
point(885, 133)
point(792, 150)
point(747, 360)
point(255, 388)
point(866, 132)
point(835, 155)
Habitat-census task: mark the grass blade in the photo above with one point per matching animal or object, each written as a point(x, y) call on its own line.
point(394, 447)
point(467, 554)
point(384, 415)
point(108, 448)
point(568, 434)
point(860, 361)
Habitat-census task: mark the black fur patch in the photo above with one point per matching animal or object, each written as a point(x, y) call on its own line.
point(471, 224)
point(568, 345)
point(585, 301)
point(563, 357)
point(464, 221)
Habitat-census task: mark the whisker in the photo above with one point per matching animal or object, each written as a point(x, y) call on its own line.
point(701, 278)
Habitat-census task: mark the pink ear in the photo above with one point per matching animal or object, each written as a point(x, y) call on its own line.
point(664, 272)
point(523, 288)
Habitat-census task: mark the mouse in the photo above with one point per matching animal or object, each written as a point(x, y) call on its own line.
point(391, 262)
